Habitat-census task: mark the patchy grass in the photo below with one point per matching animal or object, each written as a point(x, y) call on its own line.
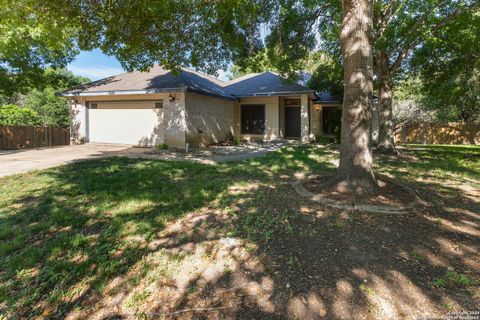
point(145, 238)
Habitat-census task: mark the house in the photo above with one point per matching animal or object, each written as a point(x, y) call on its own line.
point(158, 106)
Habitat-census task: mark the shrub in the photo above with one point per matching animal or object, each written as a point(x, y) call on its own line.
point(236, 141)
point(162, 146)
point(14, 115)
point(52, 110)
point(324, 139)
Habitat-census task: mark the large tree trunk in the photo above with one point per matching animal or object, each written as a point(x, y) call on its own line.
point(355, 170)
point(386, 143)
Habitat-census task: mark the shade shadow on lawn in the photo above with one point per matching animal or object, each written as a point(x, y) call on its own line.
point(124, 238)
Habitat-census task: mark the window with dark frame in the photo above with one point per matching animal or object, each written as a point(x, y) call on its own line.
point(252, 118)
point(159, 104)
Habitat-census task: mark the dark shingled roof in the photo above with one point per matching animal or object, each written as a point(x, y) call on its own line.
point(158, 79)
point(326, 97)
point(262, 84)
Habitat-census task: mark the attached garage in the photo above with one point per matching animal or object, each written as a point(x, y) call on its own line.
point(138, 122)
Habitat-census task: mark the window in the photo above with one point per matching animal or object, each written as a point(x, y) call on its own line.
point(159, 104)
point(93, 105)
point(253, 119)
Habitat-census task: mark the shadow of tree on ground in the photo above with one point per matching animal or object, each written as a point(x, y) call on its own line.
point(119, 238)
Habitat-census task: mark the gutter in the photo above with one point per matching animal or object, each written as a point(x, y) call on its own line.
point(275, 93)
point(119, 92)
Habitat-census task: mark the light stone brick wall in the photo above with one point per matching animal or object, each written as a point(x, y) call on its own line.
point(78, 114)
point(174, 123)
point(315, 120)
point(208, 119)
point(282, 117)
point(304, 121)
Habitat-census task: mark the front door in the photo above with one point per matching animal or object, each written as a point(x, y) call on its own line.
point(292, 122)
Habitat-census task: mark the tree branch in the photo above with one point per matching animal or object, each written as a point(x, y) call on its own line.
point(419, 39)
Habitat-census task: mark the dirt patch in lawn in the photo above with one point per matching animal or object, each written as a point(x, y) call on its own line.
point(388, 193)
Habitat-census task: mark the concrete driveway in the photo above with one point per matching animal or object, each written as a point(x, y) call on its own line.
point(18, 161)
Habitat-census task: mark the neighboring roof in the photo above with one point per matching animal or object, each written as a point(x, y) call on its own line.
point(158, 79)
point(155, 80)
point(263, 84)
point(327, 98)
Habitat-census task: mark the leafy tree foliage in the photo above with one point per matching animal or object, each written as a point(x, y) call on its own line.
point(53, 111)
point(50, 109)
point(256, 63)
point(12, 114)
point(449, 69)
point(33, 36)
point(327, 75)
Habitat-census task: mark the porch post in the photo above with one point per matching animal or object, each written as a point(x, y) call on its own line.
point(304, 123)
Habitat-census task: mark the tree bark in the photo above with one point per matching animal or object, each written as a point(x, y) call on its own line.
point(355, 171)
point(386, 143)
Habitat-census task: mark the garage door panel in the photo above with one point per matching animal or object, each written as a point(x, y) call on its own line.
point(126, 125)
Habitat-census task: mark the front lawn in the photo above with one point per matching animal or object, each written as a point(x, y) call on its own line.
point(117, 237)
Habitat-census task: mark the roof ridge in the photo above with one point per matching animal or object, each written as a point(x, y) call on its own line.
point(241, 78)
point(203, 74)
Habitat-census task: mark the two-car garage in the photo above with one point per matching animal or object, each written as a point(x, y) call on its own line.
point(136, 122)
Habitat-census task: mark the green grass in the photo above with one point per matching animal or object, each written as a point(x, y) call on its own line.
point(81, 225)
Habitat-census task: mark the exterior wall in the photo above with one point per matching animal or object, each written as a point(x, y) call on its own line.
point(281, 112)
point(208, 119)
point(304, 119)
point(272, 118)
point(78, 128)
point(315, 120)
point(174, 124)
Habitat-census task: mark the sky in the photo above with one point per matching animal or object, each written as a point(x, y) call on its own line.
point(97, 65)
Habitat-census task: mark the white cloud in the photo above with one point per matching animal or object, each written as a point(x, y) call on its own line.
point(95, 73)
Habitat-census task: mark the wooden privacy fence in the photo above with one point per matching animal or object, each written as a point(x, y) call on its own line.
point(23, 137)
point(432, 133)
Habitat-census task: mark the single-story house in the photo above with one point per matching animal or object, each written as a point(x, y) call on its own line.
point(158, 106)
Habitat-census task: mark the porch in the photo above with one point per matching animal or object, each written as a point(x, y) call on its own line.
point(267, 118)
point(273, 117)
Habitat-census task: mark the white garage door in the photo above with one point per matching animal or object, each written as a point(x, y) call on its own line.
point(129, 122)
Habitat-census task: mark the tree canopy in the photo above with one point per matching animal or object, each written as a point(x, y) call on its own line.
point(449, 68)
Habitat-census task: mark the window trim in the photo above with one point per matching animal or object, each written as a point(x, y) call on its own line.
point(264, 118)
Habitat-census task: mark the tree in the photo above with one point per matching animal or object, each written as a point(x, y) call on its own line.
point(448, 68)
point(409, 103)
point(355, 171)
point(13, 115)
point(256, 63)
point(327, 75)
point(402, 28)
point(51, 109)
point(33, 36)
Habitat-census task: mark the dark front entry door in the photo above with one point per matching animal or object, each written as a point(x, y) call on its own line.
point(292, 122)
